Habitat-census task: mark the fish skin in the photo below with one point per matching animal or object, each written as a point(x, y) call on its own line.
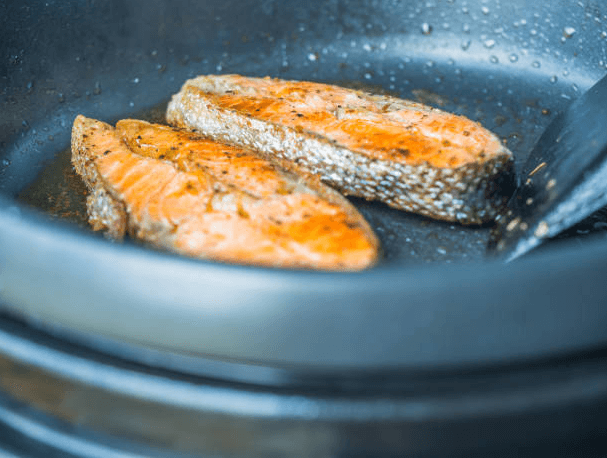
point(405, 154)
point(176, 196)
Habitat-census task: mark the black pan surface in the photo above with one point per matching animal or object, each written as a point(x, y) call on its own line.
point(434, 300)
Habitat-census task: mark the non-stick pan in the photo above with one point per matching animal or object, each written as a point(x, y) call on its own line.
point(434, 300)
point(435, 304)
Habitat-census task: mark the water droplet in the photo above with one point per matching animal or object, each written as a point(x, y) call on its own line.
point(553, 79)
point(383, 46)
point(513, 57)
point(6, 162)
point(312, 57)
point(465, 44)
point(430, 64)
point(367, 47)
point(465, 10)
point(450, 62)
point(603, 34)
point(489, 44)
point(485, 10)
point(575, 87)
point(368, 76)
point(466, 28)
point(61, 97)
point(136, 80)
point(97, 89)
point(426, 28)
point(523, 21)
point(131, 104)
point(568, 32)
point(445, 26)
point(533, 32)
point(535, 64)
point(565, 72)
point(494, 59)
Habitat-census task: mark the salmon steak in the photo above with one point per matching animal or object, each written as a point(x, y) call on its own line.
point(179, 191)
point(405, 154)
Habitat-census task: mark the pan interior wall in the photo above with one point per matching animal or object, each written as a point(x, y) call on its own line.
point(511, 66)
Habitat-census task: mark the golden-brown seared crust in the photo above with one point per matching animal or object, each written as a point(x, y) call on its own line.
point(204, 199)
point(403, 153)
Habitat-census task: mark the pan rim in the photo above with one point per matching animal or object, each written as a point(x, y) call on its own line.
point(438, 315)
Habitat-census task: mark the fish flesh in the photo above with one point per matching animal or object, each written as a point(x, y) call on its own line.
point(179, 191)
point(405, 154)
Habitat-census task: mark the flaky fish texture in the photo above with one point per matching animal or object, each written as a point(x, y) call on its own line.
point(205, 199)
point(408, 155)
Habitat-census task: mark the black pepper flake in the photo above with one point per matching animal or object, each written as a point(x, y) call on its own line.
point(162, 156)
point(106, 152)
point(299, 115)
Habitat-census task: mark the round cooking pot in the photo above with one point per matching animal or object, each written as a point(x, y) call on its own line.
point(410, 356)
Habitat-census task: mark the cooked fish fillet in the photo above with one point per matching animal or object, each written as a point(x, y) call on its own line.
point(201, 198)
point(406, 154)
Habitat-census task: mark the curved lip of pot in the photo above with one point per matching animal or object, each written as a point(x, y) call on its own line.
point(548, 303)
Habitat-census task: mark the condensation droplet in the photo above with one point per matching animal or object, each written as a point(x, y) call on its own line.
point(485, 10)
point(535, 64)
point(513, 57)
point(554, 79)
point(494, 60)
point(466, 28)
point(465, 10)
point(568, 32)
point(489, 44)
point(426, 28)
point(565, 72)
point(533, 32)
point(603, 34)
point(465, 44)
point(312, 57)
point(575, 87)
point(367, 47)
